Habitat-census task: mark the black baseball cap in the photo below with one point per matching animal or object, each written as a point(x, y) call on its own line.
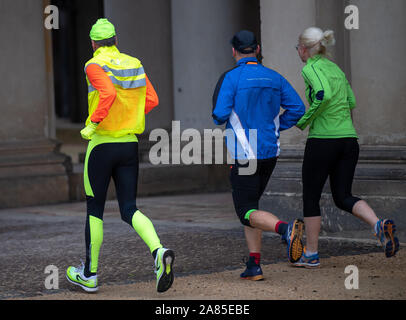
point(244, 41)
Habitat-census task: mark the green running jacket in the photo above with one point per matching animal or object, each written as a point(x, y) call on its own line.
point(331, 100)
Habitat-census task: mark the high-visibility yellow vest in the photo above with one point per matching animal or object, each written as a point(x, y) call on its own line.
point(127, 114)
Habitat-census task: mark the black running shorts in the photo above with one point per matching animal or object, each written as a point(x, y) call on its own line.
point(248, 189)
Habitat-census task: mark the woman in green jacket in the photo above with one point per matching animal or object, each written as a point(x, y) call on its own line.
point(332, 147)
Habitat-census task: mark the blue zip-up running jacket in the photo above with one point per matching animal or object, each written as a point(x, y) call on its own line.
point(250, 97)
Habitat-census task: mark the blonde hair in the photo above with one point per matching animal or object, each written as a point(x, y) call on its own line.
point(317, 41)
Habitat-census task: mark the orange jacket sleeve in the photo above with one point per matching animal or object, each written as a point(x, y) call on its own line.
point(152, 99)
point(102, 83)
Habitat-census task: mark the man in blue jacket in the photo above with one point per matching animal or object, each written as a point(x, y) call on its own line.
point(248, 98)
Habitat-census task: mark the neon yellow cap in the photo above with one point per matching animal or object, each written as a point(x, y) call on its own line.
point(102, 29)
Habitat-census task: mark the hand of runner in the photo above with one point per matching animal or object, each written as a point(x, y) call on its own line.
point(88, 132)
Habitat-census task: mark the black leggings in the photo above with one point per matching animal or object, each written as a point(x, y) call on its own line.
point(120, 162)
point(334, 158)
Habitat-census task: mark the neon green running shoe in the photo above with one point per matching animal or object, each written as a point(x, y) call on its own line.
point(76, 276)
point(163, 269)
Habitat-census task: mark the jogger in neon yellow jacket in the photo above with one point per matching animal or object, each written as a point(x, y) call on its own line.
point(120, 95)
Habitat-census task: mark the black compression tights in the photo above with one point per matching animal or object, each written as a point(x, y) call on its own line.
point(333, 158)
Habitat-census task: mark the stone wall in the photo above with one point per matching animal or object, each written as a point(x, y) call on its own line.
point(31, 169)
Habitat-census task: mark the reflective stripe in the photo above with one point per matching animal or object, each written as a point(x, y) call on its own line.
point(126, 84)
point(131, 84)
point(277, 125)
point(125, 72)
point(90, 88)
point(241, 137)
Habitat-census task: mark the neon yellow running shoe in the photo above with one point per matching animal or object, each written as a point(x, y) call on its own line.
point(76, 276)
point(163, 268)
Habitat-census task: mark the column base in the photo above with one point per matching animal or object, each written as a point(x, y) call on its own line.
point(33, 173)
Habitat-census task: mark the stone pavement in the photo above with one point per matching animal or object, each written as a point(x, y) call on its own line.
point(201, 228)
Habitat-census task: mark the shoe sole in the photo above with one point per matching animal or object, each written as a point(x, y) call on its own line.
point(392, 242)
point(296, 244)
point(87, 289)
point(307, 266)
point(253, 278)
point(167, 277)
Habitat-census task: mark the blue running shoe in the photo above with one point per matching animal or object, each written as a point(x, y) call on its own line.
point(253, 271)
point(312, 261)
point(294, 234)
point(385, 232)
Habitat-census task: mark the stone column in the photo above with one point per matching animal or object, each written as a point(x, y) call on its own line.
point(379, 72)
point(32, 171)
point(281, 24)
point(378, 78)
point(144, 31)
point(202, 31)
